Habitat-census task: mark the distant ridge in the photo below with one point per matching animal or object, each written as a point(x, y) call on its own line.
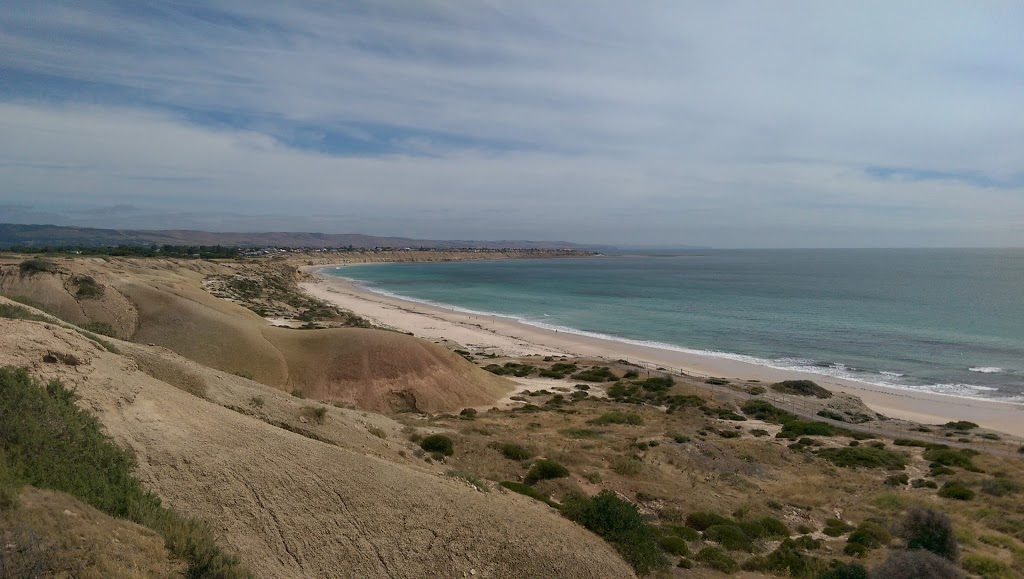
point(15, 235)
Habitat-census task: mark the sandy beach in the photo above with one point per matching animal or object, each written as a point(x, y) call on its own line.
point(512, 338)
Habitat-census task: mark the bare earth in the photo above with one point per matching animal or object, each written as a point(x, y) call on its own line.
point(511, 338)
point(291, 506)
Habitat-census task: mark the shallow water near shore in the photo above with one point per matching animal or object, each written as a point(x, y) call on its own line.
point(945, 321)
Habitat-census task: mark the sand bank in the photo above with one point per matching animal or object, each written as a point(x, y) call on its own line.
point(512, 338)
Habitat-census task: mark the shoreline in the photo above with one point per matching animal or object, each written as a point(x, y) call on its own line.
point(513, 338)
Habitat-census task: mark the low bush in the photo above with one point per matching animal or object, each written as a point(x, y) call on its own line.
point(788, 560)
point(717, 559)
point(956, 491)
point(101, 328)
point(930, 530)
point(701, 521)
point(1000, 486)
point(525, 489)
point(48, 442)
point(801, 388)
point(831, 415)
point(845, 571)
point(513, 451)
point(580, 433)
point(15, 312)
point(765, 528)
point(619, 523)
point(685, 533)
point(797, 428)
point(627, 465)
point(987, 567)
point(962, 458)
point(545, 469)
point(869, 535)
point(864, 456)
point(766, 411)
point(915, 565)
point(921, 483)
point(674, 545)
point(897, 480)
point(731, 537)
point(619, 417)
point(438, 443)
point(596, 374)
point(960, 425)
point(836, 527)
point(37, 265)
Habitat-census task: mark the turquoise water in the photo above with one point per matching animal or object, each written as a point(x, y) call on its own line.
point(948, 321)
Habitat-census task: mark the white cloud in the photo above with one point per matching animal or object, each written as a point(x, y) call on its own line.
point(722, 123)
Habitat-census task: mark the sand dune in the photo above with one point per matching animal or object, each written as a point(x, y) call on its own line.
point(295, 507)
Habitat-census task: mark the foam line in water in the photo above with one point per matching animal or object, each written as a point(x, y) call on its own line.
point(803, 365)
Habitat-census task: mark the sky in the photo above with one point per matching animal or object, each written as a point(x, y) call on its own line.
point(653, 123)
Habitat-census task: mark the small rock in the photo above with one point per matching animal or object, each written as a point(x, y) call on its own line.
point(472, 571)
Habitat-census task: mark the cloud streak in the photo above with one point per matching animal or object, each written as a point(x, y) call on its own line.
point(727, 124)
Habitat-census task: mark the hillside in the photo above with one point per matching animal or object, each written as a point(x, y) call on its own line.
point(55, 235)
point(293, 506)
point(164, 303)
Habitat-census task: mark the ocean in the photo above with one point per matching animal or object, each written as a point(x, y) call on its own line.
point(949, 321)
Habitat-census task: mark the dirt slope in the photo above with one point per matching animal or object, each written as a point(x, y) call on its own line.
point(162, 302)
point(52, 534)
point(383, 371)
point(291, 506)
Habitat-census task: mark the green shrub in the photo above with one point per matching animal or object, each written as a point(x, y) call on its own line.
point(684, 533)
point(1000, 486)
point(915, 565)
point(101, 328)
point(513, 451)
point(864, 456)
point(930, 530)
point(701, 521)
point(869, 535)
point(471, 479)
point(87, 287)
point(15, 312)
point(48, 442)
point(580, 433)
point(837, 527)
point(619, 417)
point(674, 546)
point(685, 563)
point(319, 414)
point(627, 465)
point(951, 457)
point(846, 571)
point(525, 489)
point(438, 443)
point(940, 471)
point(619, 523)
point(766, 411)
point(765, 528)
point(731, 537)
point(988, 568)
point(801, 388)
point(717, 559)
point(545, 469)
point(956, 491)
point(602, 374)
point(787, 560)
point(920, 483)
point(256, 401)
point(831, 415)
point(796, 428)
point(960, 425)
point(37, 265)
point(897, 480)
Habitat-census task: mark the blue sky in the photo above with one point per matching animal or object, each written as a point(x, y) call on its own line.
point(754, 124)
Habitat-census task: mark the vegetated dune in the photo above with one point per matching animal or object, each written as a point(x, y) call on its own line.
point(383, 371)
point(162, 302)
point(51, 534)
point(291, 506)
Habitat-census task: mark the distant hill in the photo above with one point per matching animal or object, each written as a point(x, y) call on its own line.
point(12, 235)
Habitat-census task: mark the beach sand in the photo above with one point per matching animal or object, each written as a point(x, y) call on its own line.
point(509, 337)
